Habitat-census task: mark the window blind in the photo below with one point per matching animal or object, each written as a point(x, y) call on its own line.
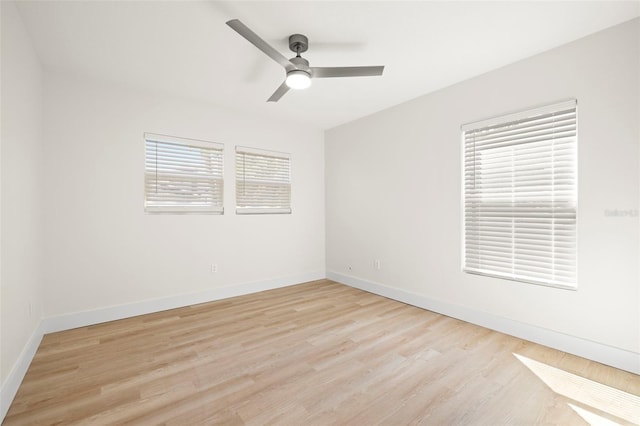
point(520, 196)
point(263, 181)
point(182, 175)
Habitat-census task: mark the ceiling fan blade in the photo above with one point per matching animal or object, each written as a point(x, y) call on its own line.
point(254, 39)
point(280, 91)
point(327, 72)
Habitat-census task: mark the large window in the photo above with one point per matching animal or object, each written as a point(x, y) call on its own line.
point(263, 181)
point(520, 196)
point(182, 175)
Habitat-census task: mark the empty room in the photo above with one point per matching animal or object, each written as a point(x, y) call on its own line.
point(320, 212)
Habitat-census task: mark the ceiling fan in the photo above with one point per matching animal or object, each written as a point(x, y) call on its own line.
point(299, 73)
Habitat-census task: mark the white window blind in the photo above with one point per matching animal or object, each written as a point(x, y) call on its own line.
point(263, 181)
point(182, 175)
point(520, 196)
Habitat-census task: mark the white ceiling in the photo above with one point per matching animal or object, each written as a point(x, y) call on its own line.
point(185, 49)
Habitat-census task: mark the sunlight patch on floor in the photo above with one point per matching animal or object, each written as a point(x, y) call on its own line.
point(593, 394)
point(592, 418)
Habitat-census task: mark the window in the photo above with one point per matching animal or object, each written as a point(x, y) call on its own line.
point(263, 183)
point(520, 196)
point(182, 175)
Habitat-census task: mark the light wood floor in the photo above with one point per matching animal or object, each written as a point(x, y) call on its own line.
point(316, 353)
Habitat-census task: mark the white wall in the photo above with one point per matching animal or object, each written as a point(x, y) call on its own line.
point(21, 190)
point(393, 183)
point(102, 250)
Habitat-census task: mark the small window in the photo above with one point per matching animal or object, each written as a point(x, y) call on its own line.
point(520, 196)
point(263, 182)
point(182, 175)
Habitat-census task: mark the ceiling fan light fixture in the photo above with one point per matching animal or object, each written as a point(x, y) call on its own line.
point(298, 79)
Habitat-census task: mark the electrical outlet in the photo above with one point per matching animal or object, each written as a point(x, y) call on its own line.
point(349, 267)
point(377, 264)
point(214, 267)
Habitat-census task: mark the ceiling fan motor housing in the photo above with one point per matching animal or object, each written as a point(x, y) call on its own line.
point(300, 63)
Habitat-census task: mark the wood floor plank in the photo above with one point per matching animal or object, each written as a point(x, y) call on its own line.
point(317, 353)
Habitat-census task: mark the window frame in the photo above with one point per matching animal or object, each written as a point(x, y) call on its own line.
point(504, 120)
point(217, 174)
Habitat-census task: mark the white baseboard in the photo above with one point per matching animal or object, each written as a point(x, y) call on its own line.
point(85, 318)
point(14, 379)
point(609, 355)
point(112, 313)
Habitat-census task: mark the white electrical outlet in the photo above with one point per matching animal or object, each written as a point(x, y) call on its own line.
point(214, 267)
point(377, 264)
